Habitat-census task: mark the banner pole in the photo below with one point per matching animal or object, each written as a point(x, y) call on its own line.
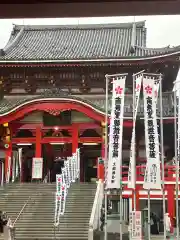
point(134, 190)
point(162, 151)
point(106, 159)
point(176, 157)
point(149, 215)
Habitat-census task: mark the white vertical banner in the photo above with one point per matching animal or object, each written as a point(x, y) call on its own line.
point(178, 123)
point(62, 203)
point(66, 165)
point(152, 178)
point(57, 209)
point(69, 159)
point(20, 158)
point(116, 132)
point(8, 170)
point(78, 162)
point(156, 89)
point(17, 165)
point(2, 174)
point(59, 181)
point(13, 167)
point(132, 163)
point(73, 166)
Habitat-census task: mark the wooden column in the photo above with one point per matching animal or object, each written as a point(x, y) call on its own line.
point(8, 148)
point(75, 137)
point(103, 140)
point(38, 153)
point(101, 163)
point(171, 206)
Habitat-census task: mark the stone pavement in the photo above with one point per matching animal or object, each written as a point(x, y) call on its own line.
point(100, 236)
point(161, 237)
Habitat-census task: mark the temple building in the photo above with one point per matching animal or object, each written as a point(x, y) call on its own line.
point(52, 97)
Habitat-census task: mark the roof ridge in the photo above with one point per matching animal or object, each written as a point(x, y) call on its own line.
point(14, 41)
point(159, 48)
point(139, 24)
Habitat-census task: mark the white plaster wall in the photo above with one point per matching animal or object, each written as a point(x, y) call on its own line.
point(35, 117)
point(80, 117)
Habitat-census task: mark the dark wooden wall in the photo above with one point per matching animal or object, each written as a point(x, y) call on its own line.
point(87, 8)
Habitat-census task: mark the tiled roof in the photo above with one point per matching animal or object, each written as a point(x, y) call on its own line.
point(78, 42)
point(8, 105)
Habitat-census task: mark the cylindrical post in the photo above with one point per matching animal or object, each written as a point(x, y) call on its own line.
point(162, 151)
point(106, 157)
point(176, 157)
point(149, 215)
point(2, 174)
point(134, 190)
point(120, 208)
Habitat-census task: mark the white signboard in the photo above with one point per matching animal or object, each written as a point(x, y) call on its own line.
point(116, 133)
point(135, 225)
point(152, 178)
point(37, 168)
point(59, 181)
point(132, 163)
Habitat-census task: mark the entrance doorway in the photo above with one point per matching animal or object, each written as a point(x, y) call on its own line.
point(89, 154)
point(54, 155)
point(26, 161)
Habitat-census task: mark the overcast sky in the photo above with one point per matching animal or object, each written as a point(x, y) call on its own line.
point(162, 30)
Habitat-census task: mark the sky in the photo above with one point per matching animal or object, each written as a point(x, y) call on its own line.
point(161, 30)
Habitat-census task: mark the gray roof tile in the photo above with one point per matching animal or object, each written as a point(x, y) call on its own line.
point(9, 104)
point(77, 42)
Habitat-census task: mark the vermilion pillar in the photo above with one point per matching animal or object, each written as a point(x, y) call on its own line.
point(38, 152)
point(103, 140)
point(170, 201)
point(75, 137)
point(101, 161)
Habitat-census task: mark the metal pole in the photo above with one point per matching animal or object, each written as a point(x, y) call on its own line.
point(121, 201)
point(120, 208)
point(176, 160)
point(162, 152)
point(2, 174)
point(134, 190)
point(149, 216)
point(106, 157)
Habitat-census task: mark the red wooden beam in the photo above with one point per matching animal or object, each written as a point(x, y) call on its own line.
point(24, 140)
point(90, 140)
point(56, 140)
point(44, 105)
point(33, 126)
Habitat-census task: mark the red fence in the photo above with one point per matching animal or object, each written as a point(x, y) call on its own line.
point(169, 173)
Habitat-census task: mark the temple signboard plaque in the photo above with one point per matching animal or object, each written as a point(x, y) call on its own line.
point(37, 168)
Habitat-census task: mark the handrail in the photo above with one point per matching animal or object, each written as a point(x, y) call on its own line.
point(96, 207)
point(21, 211)
point(24, 206)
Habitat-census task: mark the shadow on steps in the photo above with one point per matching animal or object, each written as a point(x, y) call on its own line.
point(98, 235)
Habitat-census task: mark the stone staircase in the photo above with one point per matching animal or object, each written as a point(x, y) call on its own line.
point(37, 219)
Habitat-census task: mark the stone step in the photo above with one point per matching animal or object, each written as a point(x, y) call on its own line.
point(46, 230)
point(50, 238)
point(58, 234)
point(37, 220)
point(61, 225)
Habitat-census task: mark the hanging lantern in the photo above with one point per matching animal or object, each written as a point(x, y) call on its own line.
point(6, 145)
point(6, 137)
